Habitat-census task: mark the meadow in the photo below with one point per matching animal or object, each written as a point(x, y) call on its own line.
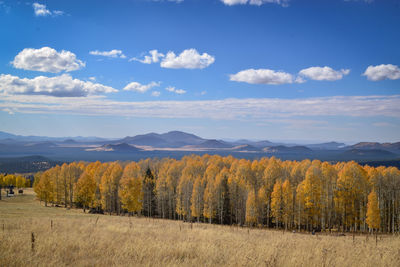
point(71, 237)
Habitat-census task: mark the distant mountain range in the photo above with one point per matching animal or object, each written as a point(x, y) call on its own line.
point(177, 143)
point(32, 138)
point(122, 147)
point(171, 139)
point(394, 147)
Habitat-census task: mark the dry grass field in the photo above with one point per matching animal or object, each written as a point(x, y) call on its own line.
point(80, 239)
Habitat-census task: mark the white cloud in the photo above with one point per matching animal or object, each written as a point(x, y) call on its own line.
point(174, 90)
point(262, 76)
point(283, 3)
point(112, 53)
point(261, 110)
point(41, 10)
point(9, 111)
point(268, 76)
point(299, 80)
point(324, 73)
point(141, 88)
point(188, 59)
point(382, 72)
point(46, 59)
point(92, 78)
point(180, 91)
point(156, 93)
point(59, 86)
point(58, 12)
point(154, 57)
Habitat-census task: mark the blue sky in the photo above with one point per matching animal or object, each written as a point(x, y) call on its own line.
point(257, 69)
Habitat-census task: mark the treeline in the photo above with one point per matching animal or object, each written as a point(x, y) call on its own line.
point(11, 180)
point(268, 192)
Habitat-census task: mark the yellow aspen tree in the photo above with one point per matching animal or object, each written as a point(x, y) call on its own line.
point(130, 192)
point(373, 213)
point(58, 192)
point(392, 181)
point(300, 203)
point(277, 203)
point(85, 189)
point(257, 172)
point(209, 211)
point(36, 180)
point(64, 183)
point(1, 182)
point(222, 196)
point(193, 169)
point(109, 187)
point(44, 188)
point(98, 171)
point(329, 178)
point(197, 199)
point(251, 209)
point(287, 196)
point(74, 172)
point(263, 199)
point(312, 194)
point(237, 194)
point(10, 180)
point(349, 194)
point(20, 182)
point(162, 189)
point(184, 191)
point(246, 173)
point(272, 173)
point(209, 192)
point(173, 174)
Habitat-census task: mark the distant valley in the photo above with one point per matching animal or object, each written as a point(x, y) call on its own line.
point(176, 144)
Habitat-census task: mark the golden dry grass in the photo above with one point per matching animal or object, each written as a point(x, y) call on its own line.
point(76, 239)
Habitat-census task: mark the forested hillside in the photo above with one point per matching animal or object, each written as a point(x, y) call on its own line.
point(267, 192)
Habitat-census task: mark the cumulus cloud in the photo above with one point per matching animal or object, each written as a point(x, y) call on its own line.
point(153, 57)
point(59, 86)
point(156, 93)
point(141, 88)
point(174, 90)
point(47, 59)
point(382, 72)
point(41, 10)
point(112, 53)
point(188, 59)
point(268, 76)
point(324, 73)
point(262, 76)
point(283, 3)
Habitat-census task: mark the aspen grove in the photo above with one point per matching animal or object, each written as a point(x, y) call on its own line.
point(295, 195)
